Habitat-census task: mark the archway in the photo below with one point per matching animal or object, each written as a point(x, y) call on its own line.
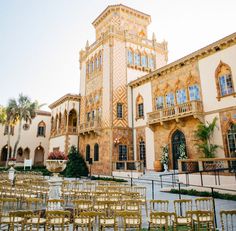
point(4, 153)
point(19, 155)
point(26, 153)
point(39, 156)
point(177, 139)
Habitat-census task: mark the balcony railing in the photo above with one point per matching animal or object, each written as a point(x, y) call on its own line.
point(62, 131)
point(193, 108)
point(72, 129)
point(90, 126)
point(129, 165)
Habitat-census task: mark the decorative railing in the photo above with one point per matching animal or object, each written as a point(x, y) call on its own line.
point(90, 126)
point(206, 164)
point(129, 165)
point(62, 131)
point(175, 112)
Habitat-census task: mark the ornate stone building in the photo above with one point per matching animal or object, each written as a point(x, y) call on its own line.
point(121, 53)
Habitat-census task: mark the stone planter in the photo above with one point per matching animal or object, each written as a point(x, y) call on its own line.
point(56, 166)
point(11, 163)
point(55, 183)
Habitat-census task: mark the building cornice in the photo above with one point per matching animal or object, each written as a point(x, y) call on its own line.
point(120, 7)
point(193, 57)
point(44, 113)
point(70, 97)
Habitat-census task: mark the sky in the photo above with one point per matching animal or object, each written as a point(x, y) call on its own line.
point(40, 40)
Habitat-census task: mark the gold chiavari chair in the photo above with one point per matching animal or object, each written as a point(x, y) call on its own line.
point(204, 203)
point(228, 220)
point(57, 220)
point(182, 206)
point(55, 204)
point(130, 220)
point(202, 220)
point(7, 205)
point(18, 220)
point(82, 205)
point(84, 220)
point(162, 221)
point(107, 220)
point(142, 196)
point(36, 205)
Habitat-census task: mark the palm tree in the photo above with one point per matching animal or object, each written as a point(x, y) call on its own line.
point(21, 110)
point(204, 133)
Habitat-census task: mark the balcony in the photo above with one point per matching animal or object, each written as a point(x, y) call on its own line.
point(177, 112)
point(90, 126)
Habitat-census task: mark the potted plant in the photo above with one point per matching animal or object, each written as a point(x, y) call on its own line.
point(56, 161)
point(204, 134)
point(165, 157)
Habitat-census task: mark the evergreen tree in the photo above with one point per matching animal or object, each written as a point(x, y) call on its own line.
point(76, 165)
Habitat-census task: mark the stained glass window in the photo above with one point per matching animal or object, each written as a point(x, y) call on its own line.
point(159, 102)
point(130, 57)
point(194, 92)
point(226, 85)
point(181, 96)
point(144, 60)
point(137, 59)
point(170, 100)
point(150, 62)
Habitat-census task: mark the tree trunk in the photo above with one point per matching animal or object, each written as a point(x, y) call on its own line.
point(18, 139)
point(8, 144)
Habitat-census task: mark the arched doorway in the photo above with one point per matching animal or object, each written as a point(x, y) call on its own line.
point(39, 156)
point(4, 153)
point(177, 139)
point(19, 155)
point(26, 153)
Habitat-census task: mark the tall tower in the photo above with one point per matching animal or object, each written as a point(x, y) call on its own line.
point(121, 53)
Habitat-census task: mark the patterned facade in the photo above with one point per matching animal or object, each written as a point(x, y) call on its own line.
point(132, 104)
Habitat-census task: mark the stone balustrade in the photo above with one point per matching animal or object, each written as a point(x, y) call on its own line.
point(192, 108)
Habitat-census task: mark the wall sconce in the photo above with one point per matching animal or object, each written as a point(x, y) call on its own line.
point(116, 141)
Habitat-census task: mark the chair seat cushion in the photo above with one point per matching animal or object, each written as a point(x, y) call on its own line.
point(83, 220)
point(107, 221)
point(158, 221)
point(58, 220)
point(36, 220)
point(184, 220)
point(132, 221)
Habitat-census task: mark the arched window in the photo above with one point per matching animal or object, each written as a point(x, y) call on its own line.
point(159, 102)
point(122, 152)
point(231, 137)
point(139, 107)
point(87, 68)
point(92, 66)
point(119, 111)
point(4, 153)
point(130, 57)
point(41, 129)
point(96, 152)
point(144, 60)
point(142, 152)
point(181, 96)
point(137, 58)
point(151, 61)
point(194, 92)
point(170, 99)
point(224, 81)
point(87, 152)
point(100, 60)
point(72, 122)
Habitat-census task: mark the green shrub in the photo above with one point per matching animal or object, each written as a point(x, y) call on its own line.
point(193, 192)
point(76, 166)
point(107, 179)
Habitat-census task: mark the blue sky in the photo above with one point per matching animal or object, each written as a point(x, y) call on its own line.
point(40, 40)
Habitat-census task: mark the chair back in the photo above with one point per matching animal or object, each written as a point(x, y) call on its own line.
point(159, 205)
point(182, 206)
point(204, 204)
point(228, 220)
